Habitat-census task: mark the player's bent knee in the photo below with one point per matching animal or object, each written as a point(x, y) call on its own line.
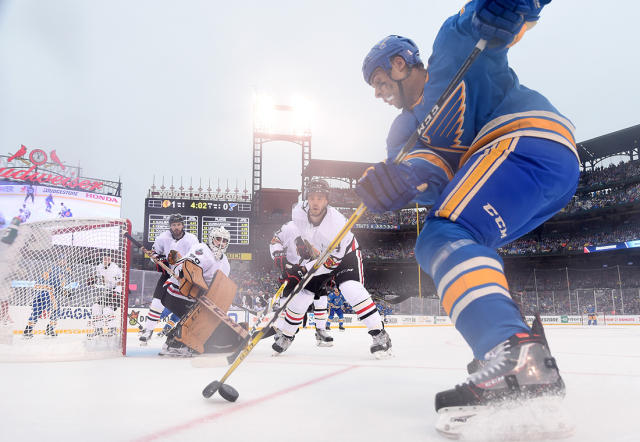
point(437, 235)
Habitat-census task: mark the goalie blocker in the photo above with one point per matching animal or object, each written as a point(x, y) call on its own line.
point(196, 328)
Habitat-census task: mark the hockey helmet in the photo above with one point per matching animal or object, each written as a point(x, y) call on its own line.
point(380, 55)
point(317, 185)
point(176, 218)
point(219, 241)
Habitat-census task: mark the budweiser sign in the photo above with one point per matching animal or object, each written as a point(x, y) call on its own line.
point(42, 168)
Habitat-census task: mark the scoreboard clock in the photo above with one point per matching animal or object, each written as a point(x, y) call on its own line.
point(200, 216)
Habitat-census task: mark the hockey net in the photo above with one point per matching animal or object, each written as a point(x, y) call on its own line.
point(64, 290)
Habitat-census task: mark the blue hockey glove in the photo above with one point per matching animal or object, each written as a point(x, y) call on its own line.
point(500, 21)
point(387, 186)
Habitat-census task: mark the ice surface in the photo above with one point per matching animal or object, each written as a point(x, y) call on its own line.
point(309, 393)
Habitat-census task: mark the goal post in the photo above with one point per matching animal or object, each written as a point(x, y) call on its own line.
point(64, 287)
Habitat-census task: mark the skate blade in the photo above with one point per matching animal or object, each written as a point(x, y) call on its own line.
point(534, 419)
point(325, 344)
point(380, 355)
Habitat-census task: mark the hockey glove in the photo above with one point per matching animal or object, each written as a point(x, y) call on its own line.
point(500, 21)
point(292, 275)
point(302, 248)
point(388, 186)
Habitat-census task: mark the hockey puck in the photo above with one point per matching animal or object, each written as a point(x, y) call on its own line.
point(210, 389)
point(228, 392)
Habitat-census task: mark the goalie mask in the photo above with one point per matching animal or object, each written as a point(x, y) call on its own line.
point(219, 241)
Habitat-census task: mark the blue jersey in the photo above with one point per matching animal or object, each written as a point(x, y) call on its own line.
point(488, 106)
point(335, 299)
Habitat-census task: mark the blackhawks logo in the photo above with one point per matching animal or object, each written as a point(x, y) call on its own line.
point(133, 317)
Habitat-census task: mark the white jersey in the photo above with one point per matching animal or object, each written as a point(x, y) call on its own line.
point(164, 243)
point(110, 277)
point(202, 255)
point(317, 238)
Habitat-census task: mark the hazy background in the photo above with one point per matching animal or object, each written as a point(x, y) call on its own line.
point(133, 89)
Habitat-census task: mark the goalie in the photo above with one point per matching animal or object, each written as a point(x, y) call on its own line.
point(208, 258)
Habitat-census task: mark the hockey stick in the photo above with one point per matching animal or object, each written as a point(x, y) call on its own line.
point(268, 309)
point(229, 393)
point(206, 302)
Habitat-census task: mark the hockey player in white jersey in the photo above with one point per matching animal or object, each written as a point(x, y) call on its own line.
point(107, 284)
point(315, 224)
point(210, 257)
point(173, 239)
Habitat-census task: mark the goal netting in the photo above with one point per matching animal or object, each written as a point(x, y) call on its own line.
point(63, 290)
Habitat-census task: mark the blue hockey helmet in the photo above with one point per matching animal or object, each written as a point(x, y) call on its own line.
point(380, 55)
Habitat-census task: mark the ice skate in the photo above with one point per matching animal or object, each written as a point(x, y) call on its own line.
point(512, 395)
point(281, 343)
point(176, 350)
point(145, 336)
point(341, 327)
point(323, 338)
point(327, 326)
point(50, 331)
point(381, 346)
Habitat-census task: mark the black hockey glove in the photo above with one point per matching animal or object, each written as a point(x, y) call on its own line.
point(292, 275)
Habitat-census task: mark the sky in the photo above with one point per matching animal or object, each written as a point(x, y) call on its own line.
point(133, 90)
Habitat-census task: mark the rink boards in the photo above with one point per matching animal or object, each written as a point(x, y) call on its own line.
point(350, 320)
point(75, 320)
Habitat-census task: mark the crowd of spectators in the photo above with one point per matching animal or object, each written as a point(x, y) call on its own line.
point(613, 173)
point(404, 217)
point(564, 242)
point(603, 198)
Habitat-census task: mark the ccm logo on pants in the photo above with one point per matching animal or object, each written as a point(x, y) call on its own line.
point(502, 227)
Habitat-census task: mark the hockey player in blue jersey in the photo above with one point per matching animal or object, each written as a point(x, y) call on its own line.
point(49, 202)
point(496, 161)
point(336, 301)
point(44, 301)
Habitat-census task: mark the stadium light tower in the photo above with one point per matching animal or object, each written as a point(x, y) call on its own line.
point(278, 122)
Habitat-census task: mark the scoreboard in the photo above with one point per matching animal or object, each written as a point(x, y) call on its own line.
point(200, 216)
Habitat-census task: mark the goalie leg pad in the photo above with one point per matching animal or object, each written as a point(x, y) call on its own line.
point(195, 328)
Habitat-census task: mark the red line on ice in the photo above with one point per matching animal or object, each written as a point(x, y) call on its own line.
point(209, 417)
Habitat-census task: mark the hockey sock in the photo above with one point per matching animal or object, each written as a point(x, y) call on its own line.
point(294, 313)
point(364, 307)
point(320, 312)
point(96, 317)
point(155, 311)
point(110, 317)
point(172, 320)
point(470, 281)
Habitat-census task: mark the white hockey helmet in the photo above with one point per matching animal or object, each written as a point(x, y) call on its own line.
point(219, 241)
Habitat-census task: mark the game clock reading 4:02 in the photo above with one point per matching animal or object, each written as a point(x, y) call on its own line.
point(200, 217)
